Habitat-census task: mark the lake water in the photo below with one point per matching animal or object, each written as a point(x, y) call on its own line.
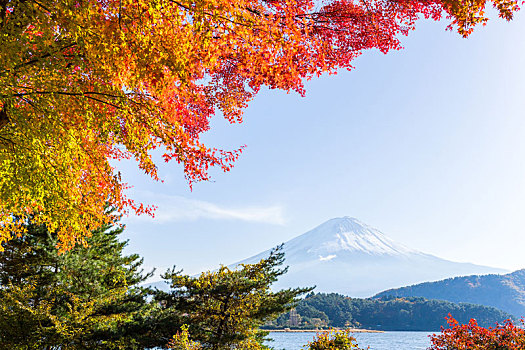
point(376, 341)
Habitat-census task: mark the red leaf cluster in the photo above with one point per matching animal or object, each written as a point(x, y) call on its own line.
point(506, 336)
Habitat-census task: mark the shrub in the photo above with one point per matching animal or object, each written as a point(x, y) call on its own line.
point(333, 340)
point(506, 336)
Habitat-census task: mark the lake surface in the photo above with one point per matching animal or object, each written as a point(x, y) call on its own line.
point(376, 341)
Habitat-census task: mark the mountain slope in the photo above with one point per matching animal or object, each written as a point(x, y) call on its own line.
point(346, 256)
point(505, 292)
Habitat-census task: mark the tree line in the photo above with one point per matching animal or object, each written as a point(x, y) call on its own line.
point(387, 313)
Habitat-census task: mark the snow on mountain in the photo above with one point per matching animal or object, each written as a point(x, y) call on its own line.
point(346, 234)
point(346, 256)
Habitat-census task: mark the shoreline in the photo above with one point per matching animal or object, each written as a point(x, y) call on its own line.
point(352, 330)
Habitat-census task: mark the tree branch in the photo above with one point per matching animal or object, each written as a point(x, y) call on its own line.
point(4, 120)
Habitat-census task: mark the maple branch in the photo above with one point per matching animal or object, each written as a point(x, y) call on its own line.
point(70, 93)
point(83, 94)
point(61, 93)
point(6, 140)
point(102, 101)
point(4, 120)
point(7, 143)
point(32, 104)
point(119, 14)
point(49, 54)
point(211, 15)
point(42, 6)
point(38, 59)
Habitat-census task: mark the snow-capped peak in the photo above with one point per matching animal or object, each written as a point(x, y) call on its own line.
point(347, 234)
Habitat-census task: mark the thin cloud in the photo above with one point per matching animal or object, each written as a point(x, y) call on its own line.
point(177, 208)
point(327, 258)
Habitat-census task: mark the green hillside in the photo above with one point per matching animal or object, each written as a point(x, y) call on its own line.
point(389, 313)
point(505, 292)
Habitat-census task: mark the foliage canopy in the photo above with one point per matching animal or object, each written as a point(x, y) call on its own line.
point(84, 82)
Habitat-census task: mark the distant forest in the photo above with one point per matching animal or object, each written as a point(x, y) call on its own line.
point(505, 292)
point(388, 313)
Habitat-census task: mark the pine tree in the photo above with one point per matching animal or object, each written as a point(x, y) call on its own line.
point(85, 298)
point(224, 308)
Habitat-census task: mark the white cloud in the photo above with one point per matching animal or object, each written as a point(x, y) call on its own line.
point(327, 258)
point(178, 208)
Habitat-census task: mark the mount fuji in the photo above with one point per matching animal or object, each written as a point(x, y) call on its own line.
point(346, 256)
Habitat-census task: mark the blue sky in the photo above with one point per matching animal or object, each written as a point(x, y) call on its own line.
point(426, 144)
